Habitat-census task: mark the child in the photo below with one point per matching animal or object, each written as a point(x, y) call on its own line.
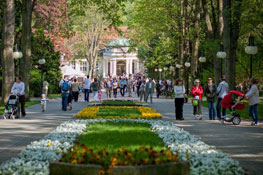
point(43, 102)
point(100, 94)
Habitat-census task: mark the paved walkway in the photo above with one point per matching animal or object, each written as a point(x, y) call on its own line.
point(16, 134)
point(243, 143)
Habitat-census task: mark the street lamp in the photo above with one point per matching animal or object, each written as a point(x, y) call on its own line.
point(179, 66)
point(187, 64)
point(17, 55)
point(221, 54)
point(160, 71)
point(41, 61)
point(251, 49)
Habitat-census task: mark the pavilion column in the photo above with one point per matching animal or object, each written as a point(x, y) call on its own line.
point(114, 67)
point(103, 67)
point(130, 67)
point(111, 67)
point(127, 66)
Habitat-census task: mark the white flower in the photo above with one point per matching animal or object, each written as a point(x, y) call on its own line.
point(204, 159)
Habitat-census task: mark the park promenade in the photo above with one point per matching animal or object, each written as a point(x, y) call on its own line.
point(243, 143)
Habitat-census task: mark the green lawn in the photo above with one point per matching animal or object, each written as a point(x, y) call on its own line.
point(118, 112)
point(54, 96)
point(117, 102)
point(244, 113)
point(29, 103)
point(123, 134)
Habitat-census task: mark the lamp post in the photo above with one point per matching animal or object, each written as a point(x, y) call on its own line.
point(251, 49)
point(41, 62)
point(221, 54)
point(187, 64)
point(160, 71)
point(165, 69)
point(17, 55)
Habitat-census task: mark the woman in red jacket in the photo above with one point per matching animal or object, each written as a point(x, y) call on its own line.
point(197, 92)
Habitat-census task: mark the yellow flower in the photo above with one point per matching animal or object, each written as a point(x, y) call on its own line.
point(48, 143)
point(74, 161)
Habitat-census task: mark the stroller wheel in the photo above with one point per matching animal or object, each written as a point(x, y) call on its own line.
point(236, 120)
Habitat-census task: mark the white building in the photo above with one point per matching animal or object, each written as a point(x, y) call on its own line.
point(115, 60)
point(118, 60)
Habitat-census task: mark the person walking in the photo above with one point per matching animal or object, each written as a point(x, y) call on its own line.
point(122, 87)
point(129, 87)
point(210, 93)
point(221, 91)
point(197, 92)
point(149, 90)
point(87, 83)
point(179, 91)
point(115, 88)
point(138, 86)
point(142, 90)
point(108, 86)
point(253, 99)
point(18, 89)
point(158, 89)
point(75, 90)
point(95, 88)
point(65, 90)
point(45, 88)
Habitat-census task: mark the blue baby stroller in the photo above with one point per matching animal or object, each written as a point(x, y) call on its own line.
point(12, 110)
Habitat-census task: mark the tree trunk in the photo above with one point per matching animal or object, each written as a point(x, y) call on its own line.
point(8, 44)
point(196, 42)
point(230, 39)
point(26, 44)
point(217, 67)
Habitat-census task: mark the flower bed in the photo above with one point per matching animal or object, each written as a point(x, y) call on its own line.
point(204, 159)
point(92, 112)
point(118, 103)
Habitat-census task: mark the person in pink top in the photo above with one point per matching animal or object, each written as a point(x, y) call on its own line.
point(197, 92)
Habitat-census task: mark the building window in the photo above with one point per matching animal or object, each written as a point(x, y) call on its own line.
point(83, 66)
point(73, 64)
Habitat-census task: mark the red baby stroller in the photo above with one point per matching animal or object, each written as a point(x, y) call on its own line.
point(232, 101)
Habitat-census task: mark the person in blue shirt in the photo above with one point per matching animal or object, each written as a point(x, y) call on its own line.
point(122, 87)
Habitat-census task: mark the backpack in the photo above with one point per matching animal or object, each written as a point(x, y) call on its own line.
point(95, 86)
point(65, 86)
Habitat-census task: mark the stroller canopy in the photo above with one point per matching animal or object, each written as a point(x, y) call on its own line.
point(228, 101)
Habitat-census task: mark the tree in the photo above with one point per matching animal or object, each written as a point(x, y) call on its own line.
point(8, 43)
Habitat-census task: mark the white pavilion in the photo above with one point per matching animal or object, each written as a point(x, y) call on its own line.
point(117, 60)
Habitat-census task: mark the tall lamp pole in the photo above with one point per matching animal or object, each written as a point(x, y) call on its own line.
point(41, 62)
point(187, 64)
point(160, 72)
point(17, 55)
point(221, 54)
point(251, 49)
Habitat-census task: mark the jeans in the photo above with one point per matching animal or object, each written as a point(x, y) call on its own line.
point(179, 103)
point(86, 96)
point(198, 109)
point(122, 91)
point(142, 95)
point(253, 112)
point(212, 109)
point(64, 100)
point(149, 93)
point(22, 101)
point(218, 109)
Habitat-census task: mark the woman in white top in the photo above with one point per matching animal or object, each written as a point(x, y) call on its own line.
point(115, 88)
point(179, 91)
point(253, 99)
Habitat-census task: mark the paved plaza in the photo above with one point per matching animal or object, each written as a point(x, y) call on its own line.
point(243, 143)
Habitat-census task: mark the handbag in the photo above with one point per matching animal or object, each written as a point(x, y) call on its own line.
point(195, 102)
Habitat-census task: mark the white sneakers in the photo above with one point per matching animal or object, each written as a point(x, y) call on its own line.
point(198, 117)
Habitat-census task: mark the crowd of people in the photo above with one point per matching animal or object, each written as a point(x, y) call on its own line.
point(144, 88)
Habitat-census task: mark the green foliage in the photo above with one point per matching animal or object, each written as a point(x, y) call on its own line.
point(43, 47)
